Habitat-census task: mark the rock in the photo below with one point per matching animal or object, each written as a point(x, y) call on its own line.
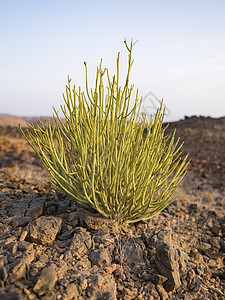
point(51, 207)
point(46, 281)
point(215, 229)
point(12, 247)
point(101, 287)
point(104, 239)
point(215, 243)
point(66, 235)
point(63, 206)
point(162, 293)
point(25, 246)
point(100, 257)
point(4, 230)
point(157, 279)
point(74, 218)
point(133, 252)
point(23, 235)
point(168, 258)
point(83, 283)
point(35, 209)
point(21, 221)
point(219, 273)
point(18, 208)
point(190, 275)
point(94, 221)
point(3, 196)
point(168, 266)
point(61, 269)
point(71, 292)
point(13, 257)
point(215, 263)
point(3, 273)
point(222, 245)
point(19, 266)
point(183, 261)
point(17, 270)
point(44, 229)
point(12, 296)
point(80, 244)
point(193, 208)
point(204, 247)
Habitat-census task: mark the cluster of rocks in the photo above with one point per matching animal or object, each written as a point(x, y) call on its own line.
point(52, 249)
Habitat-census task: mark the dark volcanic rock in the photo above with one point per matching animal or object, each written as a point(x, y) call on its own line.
point(168, 257)
point(101, 287)
point(44, 229)
point(100, 257)
point(80, 244)
point(133, 252)
point(35, 209)
point(46, 281)
point(168, 266)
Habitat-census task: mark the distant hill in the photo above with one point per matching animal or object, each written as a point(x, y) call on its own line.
point(13, 120)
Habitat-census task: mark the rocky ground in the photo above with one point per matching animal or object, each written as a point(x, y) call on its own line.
point(52, 249)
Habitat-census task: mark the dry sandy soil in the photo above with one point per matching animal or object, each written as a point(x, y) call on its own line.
point(52, 249)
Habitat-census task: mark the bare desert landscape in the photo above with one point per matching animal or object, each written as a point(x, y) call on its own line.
point(50, 248)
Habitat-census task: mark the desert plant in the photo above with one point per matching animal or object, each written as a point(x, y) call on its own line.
point(97, 153)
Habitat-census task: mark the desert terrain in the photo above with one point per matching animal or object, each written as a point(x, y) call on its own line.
point(50, 248)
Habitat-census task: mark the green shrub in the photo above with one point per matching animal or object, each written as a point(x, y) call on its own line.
point(98, 156)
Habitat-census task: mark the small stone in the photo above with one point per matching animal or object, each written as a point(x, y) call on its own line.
point(3, 273)
point(168, 266)
point(169, 258)
point(35, 209)
point(133, 252)
point(44, 229)
point(19, 266)
point(74, 218)
point(193, 208)
point(21, 221)
point(190, 275)
point(44, 258)
point(63, 206)
point(18, 271)
point(203, 247)
point(100, 257)
point(71, 292)
point(61, 270)
point(64, 282)
point(213, 264)
point(162, 293)
point(25, 246)
point(11, 296)
point(66, 235)
point(156, 278)
point(80, 244)
point(82, 283)
point(23, 235)
point(1, 283)
point(101, 287)
point(93, 221)
point(3, 196)
point(219, 273)
point(13, 247)
point(46, 281)
point(13, 257)
point(215, 229)
point(222, 245)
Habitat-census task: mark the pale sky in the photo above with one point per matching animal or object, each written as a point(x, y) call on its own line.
point(179, 56)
